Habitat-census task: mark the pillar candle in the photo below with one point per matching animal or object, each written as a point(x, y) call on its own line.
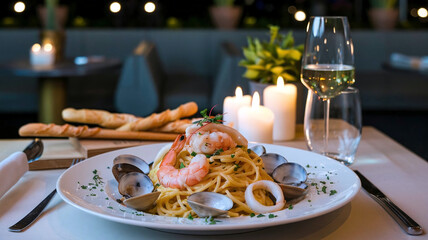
point(256, 122)
point(42, 56)
point(231, 105)
point(281, 99)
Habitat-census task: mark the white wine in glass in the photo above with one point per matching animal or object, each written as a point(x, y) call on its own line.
point(328, 61)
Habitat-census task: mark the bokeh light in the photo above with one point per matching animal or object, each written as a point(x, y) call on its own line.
point(300, 16)
point(19, 7)
point(149, 7)
point(115, 7)
point(422, 12)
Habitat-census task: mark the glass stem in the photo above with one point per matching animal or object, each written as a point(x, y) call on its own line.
point(326, 123)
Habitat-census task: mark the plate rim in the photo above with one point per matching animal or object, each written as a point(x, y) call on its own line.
point(355, 188)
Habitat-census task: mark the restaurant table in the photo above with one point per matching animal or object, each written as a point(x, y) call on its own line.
point(53, 80)
point(399, 173)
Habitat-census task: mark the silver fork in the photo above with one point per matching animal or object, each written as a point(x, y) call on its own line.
point(31, 216)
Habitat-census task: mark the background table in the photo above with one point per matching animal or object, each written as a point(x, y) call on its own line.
point(53, 81)
point(399, 173)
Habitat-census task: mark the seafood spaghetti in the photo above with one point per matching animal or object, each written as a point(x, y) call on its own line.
point(210, 157)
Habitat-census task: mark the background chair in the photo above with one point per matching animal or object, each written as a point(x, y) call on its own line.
point(138, 89)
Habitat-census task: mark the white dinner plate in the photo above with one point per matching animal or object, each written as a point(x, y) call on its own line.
point(331, 184)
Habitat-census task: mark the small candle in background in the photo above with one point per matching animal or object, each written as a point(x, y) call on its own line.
point(42, 56)
point(281, 99)
point(256, 122)
point(231, 106)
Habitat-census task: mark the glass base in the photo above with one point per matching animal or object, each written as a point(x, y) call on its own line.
point(347, 161)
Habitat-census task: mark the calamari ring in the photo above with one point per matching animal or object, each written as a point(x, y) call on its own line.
point(270, 186)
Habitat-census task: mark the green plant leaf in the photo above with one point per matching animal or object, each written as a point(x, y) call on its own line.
point(251, 74)
point(250, 55)
point(277, 70)
point(300, 48)
point(289, 53)
point(251, 45)
point(288, 76)
point(256, 67)
point(288, 41)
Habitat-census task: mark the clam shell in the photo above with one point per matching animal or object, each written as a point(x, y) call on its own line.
point(135, 184)
point(209, 204)
point(258, 149)
point(127, 163)
point(272, 161)
point(142, 202)
point(290, 174)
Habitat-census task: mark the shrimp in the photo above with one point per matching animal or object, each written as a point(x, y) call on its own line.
point(169, 176)
point(208, 140)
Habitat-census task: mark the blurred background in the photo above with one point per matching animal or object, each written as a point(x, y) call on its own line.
point(189, 41)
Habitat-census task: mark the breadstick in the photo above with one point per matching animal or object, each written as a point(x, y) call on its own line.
point(178, 126)
point(66, 130)
point(157, 120)
point(99, 117)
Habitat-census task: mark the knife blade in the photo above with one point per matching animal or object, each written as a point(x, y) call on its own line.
point(406, 223)
point(15, 165)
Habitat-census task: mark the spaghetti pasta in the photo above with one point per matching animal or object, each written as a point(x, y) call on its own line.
point(230, 172)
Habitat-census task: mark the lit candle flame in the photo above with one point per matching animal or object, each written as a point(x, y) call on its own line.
point(238, 93)
point(47, 47)
point(280, 83)
point(256, 100)
point(36, 47)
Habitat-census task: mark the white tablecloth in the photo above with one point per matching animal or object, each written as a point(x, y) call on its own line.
point(400, 174)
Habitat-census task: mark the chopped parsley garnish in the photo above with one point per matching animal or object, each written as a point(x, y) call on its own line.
point(272, 215)
point(208, 156)
point(239, 146)
point(260, 215)
point(323, 182)
point(232, 156)
point(110, 207)
point(193, 154)
point(157, 185)
point(95, 171)
point(290, 207)
point(308, 166)
point(236, 167)
point(182, 165)
point(309, 200)
point(106, 198)
point(190, 217)
point(324, 189)
point(93, 194)
point(209, 119)
point(332, 192)
point(248, 151)
point(211, 220)
point(218, 152)
point(313, 184)
point(84, 187)
point(252, 215)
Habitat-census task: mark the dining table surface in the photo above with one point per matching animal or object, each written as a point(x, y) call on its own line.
point(395, 170)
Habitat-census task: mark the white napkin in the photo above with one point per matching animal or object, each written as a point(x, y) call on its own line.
point(409, 62)
point(11, 170)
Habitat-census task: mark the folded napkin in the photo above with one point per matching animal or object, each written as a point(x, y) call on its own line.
point(11, 170)
point(409, 62)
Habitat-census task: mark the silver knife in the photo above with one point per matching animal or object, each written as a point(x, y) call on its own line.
point(406, 223)
point(14, 166)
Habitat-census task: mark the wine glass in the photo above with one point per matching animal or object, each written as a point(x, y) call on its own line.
point(328, 61)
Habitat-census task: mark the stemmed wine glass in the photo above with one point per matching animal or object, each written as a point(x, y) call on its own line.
point(328, 61)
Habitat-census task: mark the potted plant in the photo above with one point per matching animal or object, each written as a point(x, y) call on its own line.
point(53, 18)
point(383, 14)
point(266, 61)
point(224, 14)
